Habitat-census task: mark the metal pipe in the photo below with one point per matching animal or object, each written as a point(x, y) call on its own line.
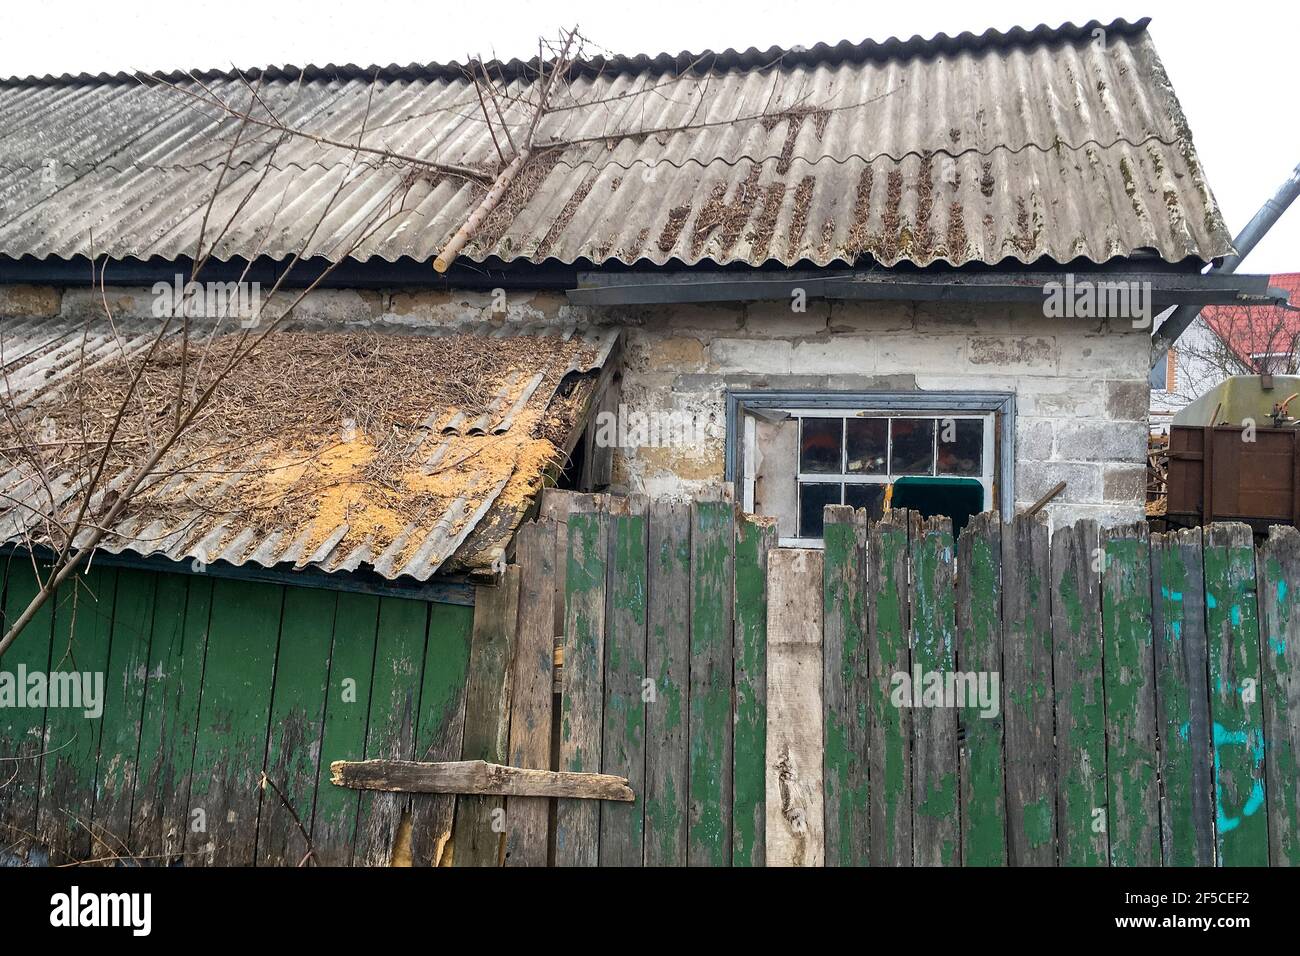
point(1246, 240)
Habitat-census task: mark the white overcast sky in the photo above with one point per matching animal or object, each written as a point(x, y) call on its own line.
point(1232, 64)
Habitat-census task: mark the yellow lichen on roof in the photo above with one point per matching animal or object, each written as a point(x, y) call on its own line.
point(335, 438)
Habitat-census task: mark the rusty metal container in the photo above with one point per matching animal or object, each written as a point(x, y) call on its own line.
point(1233, 457)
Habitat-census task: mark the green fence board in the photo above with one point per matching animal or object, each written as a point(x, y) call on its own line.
point(1080, 698)
point(577, 827)
point(230, 748)
point(1028, 693)
point(297, 716)
point(1133, 787)
point(343, 736)
point(124, 684)
point(22, 727)
point(158, 778)
point(979, 650)
point(755, 537)
point(622, 825)
point(935, 825)
point(83, 624)
point(709, 712)
point(439, 729)
point(390, 730)
point(478, 832)
point(1241, 818)
point(1182, 699)
point(668, 665)
point(845, 687)
point(890, 726)
point(1278, 564)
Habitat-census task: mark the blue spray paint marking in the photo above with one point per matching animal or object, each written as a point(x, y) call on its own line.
point(1281, 590)
point(1224, 737)
point(1210, 602)
point(1235, 614)
point(1184, 729)
point(1178, 630)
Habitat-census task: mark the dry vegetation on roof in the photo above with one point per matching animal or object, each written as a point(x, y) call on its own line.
point(316, 430)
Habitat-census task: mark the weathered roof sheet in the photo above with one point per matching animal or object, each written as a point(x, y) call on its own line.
point(283, 493)
point(1058, 144)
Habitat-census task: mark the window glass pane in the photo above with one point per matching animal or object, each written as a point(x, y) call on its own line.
point(871, 497)
point(865, 440)
point(913, 446)
point(813, 497)
point(819, 445)
point(964, 453)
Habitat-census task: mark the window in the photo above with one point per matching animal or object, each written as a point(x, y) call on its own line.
point(938, 453)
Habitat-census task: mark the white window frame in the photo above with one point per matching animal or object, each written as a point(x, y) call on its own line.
point(997, 470)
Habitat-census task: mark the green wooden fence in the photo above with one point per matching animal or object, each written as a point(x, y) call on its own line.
point(1146, 708)
point(1146, 711)
point(208, 683)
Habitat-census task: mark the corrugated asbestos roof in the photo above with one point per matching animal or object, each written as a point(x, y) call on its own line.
point(1058, 144)
point(201, 505)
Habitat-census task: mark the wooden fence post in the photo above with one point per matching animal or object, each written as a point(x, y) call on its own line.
point(1279, 622)
point(846, 685)
point(479, 827)
point(979, 649)
point(935, 827)
point(532, 699)
point(577, 832)
point(1134, 795)
point(755, 537)
point(795, 824)
point(1080, 698)
point(1028, 693)
point(1235, 706)
point(890, 751)
point(668, 665)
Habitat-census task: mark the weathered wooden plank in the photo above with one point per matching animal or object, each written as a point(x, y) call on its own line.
point(935, 827)
point(845, 686)
point(479, 828)
point(1027, 693)
point(182, 694)
point(83, 626)
point(668, 665)
point(1182, 699)
point(343, 736)
point(796, 828)
point(297, 718)
point(22, 728)
point(477, 777)
point(755, 538)
point(531, 697)
point(709, 713)
point(979, 651)
point(1081, 809)
point(440, 728)
point(1132, 784)
point(230, 746)
point(390, 730)
point(1279, 620)
point(577, 832)
point(622, 826)
point(1235, 708)
point(124, 688)
point(158, 803)
point(890, 753)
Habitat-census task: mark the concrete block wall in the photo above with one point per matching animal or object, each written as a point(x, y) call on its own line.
point(1080, 385)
